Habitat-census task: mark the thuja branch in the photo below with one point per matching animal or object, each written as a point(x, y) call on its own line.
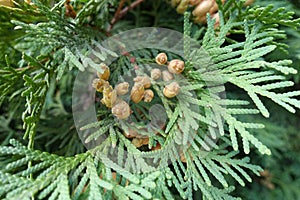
point(117, 13)
point(121, 12)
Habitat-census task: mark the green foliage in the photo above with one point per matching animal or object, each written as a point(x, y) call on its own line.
point(280, 179)
point(51, 174)
point(36, 79)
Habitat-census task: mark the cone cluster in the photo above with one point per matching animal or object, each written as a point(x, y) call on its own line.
point(120, 108)
point(140, 91)
point(175, 66)
point(201, 8)
point(172, 88)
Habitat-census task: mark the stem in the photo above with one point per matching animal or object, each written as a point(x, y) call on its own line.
point(121, 12)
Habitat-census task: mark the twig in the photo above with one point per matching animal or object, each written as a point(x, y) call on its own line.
point(116, 16)
point(133, 5)
point(120, 13)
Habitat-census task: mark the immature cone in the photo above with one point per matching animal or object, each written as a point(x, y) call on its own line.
point(137, 92)
point(194, 2)
point(167, 76)
point(176, 66)
point(161, 58)
point(171, 90)
point(148, 95)
point(132, 133)
point(121, 110)
point(144, 80)
point(203, 8)
point(7, 3)
point(105, 74)
point(200, 8)
point(109, 96)
point(138, 142)
point(214, 8)
point(183, 5)
point(201, 19)
point(122, 88)
point(99, 84)
point(155, 74)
